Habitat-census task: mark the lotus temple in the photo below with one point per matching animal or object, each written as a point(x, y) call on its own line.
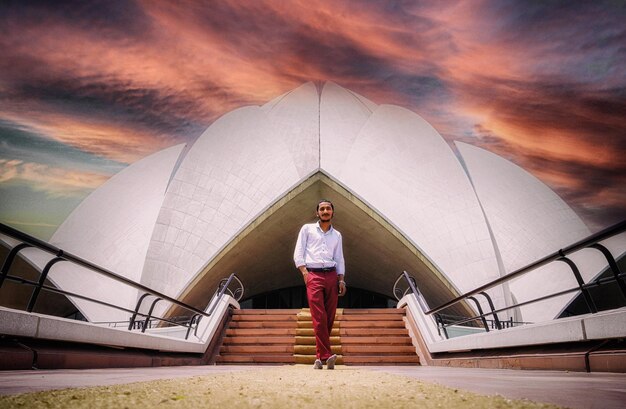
point(455, 217)
point(234, 200)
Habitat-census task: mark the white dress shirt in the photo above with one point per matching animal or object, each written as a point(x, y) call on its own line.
point(318, 249)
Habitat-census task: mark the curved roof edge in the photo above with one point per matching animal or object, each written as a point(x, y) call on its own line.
point(112, 228)
point(201, 277)
point(528, 221)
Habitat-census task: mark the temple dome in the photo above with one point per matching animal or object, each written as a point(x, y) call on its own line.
point(180, 220)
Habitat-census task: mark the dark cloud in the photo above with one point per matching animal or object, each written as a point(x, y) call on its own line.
point(595, 192)
point(109, 99)
point(281, 37)
point(570, 135)
point(524, 14)
point(591, 183)
point(583, 114)
point(118, 102)
point(132, 77)
point(112, 19)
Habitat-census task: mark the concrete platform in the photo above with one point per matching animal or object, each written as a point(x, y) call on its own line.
point(570, 389)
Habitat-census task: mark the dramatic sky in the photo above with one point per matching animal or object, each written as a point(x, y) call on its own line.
point(88, 87)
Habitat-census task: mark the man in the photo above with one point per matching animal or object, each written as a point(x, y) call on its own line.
point(319, 257)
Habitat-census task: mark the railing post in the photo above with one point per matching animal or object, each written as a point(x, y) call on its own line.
point(6, 266)
point(195, 330)
point(493, 308)
point(145, 323)
point(42, 280)
point(581, 283)
point(480, 312)
point(191, 322)
point(613, 265)
point(221, 288)
point(134, 316)
point(439, 320)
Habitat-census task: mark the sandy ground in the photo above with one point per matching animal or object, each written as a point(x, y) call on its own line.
point(296, 386)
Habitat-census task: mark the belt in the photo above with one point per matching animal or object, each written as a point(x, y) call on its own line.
point(322, 270)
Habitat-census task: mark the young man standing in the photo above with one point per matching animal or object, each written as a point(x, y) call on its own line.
point(319, 257)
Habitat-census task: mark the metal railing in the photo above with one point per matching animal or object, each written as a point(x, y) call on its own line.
point(591, 242)
point(148, 319)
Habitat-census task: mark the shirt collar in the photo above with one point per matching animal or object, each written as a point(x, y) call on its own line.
point(320, 228)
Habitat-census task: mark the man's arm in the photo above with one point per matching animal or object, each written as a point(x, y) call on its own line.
point(341, 265)
point(304, 272)
point(298, 253)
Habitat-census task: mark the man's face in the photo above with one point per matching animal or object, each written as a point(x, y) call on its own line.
point(325, 211)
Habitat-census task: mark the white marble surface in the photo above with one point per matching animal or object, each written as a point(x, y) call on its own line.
point(387, 156)
point(112, 228)
point(529, 221)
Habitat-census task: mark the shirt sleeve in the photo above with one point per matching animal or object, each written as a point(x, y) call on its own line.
point(338, 256)
point(298, 253)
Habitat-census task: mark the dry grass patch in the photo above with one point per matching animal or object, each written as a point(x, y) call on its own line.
point(276, 387)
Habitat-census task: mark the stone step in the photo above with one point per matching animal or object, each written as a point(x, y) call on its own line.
point(365, 317)
point(390, 340)
point(309, 359)
point(359, 337)
point(311, 340)
point(356, 324)
point(355, 332)
point(361, 311)
point(308, 332)
point(363, 360)
point(371, 317)
point(256, 359)
point(372, 324)
point(259, 340)
point(257, 349)
point(310, 349)
point(267, 312)
point(260, 331)
point(380, 359)
point(263, 324)
point(377, 349)
point(264, 318)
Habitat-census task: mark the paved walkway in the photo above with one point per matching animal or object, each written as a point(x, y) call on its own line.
point(13, 382)
point(570, 389)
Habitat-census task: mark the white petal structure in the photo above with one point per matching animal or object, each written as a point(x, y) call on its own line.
point(529, 221)
point(235, 202)
point(112, 228)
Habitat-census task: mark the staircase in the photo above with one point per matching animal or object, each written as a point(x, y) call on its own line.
point(260, 337)
point(359, 337)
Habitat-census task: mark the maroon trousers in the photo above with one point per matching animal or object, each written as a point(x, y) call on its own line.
point(322, 293)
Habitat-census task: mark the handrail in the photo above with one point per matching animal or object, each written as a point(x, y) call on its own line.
point(591, 242)
point(414, 289)
point(586, 242)
point(42, 245)
point(28, 241)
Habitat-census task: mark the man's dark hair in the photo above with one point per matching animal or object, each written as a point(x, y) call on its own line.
point(317, 208)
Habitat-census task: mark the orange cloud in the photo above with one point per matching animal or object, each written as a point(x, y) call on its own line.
point(109, 140)
point(52, 180)
point(529, 81)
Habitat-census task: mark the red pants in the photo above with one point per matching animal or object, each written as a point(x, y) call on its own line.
point(322, 293)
